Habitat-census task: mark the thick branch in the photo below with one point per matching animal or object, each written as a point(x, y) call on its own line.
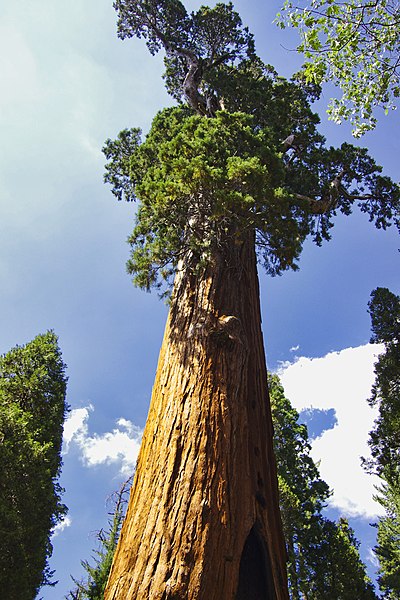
point(325, 205)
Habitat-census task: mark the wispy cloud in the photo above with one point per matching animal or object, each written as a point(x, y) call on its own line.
point(372, 558)
point(119, 446)
point(66, 522)
point(341, 381)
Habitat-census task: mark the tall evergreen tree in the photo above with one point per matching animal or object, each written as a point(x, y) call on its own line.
point(235, 170)
point(388, 539)
point(32, 412)
point(323, 557)
point(303, 494)
point(338, 572)
point(384, 309)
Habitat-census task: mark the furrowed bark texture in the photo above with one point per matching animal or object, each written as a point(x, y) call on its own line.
point(203, 521)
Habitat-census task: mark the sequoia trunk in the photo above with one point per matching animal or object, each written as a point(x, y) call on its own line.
point(203, 521)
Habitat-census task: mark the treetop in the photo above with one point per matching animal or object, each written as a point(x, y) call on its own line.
point(197, 45)
point(240, 155)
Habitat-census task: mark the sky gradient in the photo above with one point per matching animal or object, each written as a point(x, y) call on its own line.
point(68, 84)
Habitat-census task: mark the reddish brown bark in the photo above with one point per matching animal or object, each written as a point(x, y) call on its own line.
point(203, 521)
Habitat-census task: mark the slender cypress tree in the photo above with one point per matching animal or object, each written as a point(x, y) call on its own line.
point(32, 412)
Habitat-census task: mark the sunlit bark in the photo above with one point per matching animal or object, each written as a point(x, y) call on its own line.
point(203, 521)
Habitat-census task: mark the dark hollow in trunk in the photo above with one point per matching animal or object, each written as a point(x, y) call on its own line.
point(255, 577)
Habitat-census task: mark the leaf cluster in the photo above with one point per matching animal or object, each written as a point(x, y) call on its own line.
point(341, 178)
point(338, 569)
point(384, 309)
point(32, 412)
point(117, 172)
point(156, 21)
point(203, 182)
point(355, 45)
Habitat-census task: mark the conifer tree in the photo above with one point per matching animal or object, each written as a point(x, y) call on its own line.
point(32, 412)
point(323, 558)
point(235, 171)
point(387, 549)
point(384, 308)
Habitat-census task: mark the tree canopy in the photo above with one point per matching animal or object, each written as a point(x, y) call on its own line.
point(32, 412)
point(355, 45)
point(239, 155)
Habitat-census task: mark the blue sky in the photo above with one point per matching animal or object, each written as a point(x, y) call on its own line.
point(67, 84)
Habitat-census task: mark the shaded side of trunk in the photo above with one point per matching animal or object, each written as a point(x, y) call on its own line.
point(203, 521)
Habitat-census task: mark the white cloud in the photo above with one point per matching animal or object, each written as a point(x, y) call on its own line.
point(340, 380)
point(372, 558)
point(75, 425)
point(121, 445)
point(66, 522)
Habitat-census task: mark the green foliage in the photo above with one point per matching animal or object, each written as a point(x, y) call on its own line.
point(339, 573)
point(384, 308)
point(203, 182)
point(118, 173)
point(388, 540)
point(243, 159)
point(323, 558)
point(93, 587)
point(355, 45)
point(32, 412)
point(303, 494)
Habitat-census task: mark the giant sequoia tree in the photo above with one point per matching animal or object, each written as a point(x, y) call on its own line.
point(235, 172)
